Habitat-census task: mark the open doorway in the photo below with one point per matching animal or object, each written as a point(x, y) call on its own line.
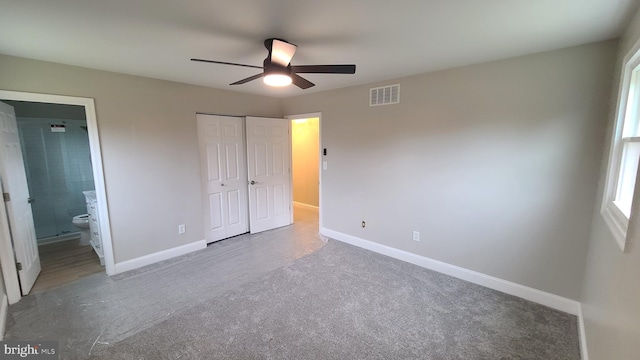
point(54, 140)
point(62, 167)
point(305, 167)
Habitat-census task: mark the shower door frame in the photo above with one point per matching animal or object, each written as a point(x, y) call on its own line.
point(96, 161)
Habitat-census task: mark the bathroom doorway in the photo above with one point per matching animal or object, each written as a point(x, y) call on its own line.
point(57, 159)
point(63, 163)
point(305, 167)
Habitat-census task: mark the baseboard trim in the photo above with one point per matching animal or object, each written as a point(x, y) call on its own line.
point(4, 310)
point(584, 351)
point(303, 205)
point(141, 261)
point(538, 296)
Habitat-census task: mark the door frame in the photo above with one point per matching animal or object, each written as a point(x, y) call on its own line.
point(96, 163)
point(320, 171)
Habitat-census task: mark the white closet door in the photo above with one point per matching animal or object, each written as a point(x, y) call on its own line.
point(268, 156)
point(224, 178)
point(14, 181)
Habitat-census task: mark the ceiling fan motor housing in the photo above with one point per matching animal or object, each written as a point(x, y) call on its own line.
point(273, 68)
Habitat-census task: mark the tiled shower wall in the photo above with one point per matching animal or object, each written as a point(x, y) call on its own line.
point(58, 166)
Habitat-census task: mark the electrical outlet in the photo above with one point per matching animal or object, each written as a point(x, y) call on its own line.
point(182, 229)
point(416, 236)
point(364, 224)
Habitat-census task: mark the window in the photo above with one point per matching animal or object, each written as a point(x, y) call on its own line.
point(624, 152)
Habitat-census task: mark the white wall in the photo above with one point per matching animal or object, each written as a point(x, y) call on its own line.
point(611, 292)
point(495, 164)
point(149, 145)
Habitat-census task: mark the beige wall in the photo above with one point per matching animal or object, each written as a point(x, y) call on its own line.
point(611, 291)
point(149, 145)
point(495, 164)
point(305, 158)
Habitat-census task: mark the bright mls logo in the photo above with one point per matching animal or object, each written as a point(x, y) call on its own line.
point(29, 350)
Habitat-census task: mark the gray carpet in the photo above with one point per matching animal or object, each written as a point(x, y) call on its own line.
point(342, 302)
point(102, 310)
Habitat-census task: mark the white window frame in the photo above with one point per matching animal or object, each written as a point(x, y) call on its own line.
point(615, 218)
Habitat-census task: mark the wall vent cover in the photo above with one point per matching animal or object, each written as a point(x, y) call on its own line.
point(384, 95)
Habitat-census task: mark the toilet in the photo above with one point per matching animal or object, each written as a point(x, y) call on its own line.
point(82, 222)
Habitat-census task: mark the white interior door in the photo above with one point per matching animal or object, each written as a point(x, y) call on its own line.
point(14, 181)
point(224, 177)
point(269, 173)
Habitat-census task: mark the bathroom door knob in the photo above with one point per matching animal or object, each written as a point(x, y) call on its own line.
point(221, 184)
point(253, 182)
point(31, 200)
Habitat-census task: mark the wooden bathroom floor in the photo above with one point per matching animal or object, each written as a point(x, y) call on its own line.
point(64, 262)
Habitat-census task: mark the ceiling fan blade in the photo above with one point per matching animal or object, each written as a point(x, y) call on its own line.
point(301, 82)
point(226, 63)
point(250, 78)
point(324, 69)
point(282, 52)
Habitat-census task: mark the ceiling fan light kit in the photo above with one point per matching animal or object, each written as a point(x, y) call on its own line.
point(277, 80)
point(278, 71)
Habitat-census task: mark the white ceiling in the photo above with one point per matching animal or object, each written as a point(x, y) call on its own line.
point(385, 39)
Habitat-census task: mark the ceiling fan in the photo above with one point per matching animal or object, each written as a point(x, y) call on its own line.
point(278, 71)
